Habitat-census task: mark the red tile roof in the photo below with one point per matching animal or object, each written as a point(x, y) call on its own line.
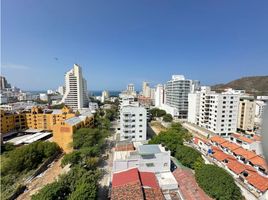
point(245, 153)
point(259, 161)
point(220, 156)
point(188, 186)
point(258, 181)
point(148, 179)
point(236, 166)
point(218, 139)
point(132, 184)
point(125, 177)
point(229, 145)
point(242, 138)
point(126, 147)
point(256, 138)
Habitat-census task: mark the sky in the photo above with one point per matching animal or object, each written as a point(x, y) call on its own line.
point(129, 41)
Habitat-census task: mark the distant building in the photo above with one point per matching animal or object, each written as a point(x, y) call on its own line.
point(43, 96)
point(159, 96)
point(261, 103)
point(105, 96)
point(3, 83)
point(177, 90)
point(146, 90)
point(133, 123)
point(217, 112)
point(246, 114)
point(61, 90)
point(50, 92)
point(75, 95)
point(93, 106)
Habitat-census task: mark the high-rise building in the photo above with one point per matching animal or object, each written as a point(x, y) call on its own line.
point(133, 123)
point(75, 95)
point(130, 88)
point(159, 95)
point(217, 112)
point(3, 83)
point(246, 113)
point(61, 90)
point(146, 90)
point(104, 96)
point(177, 90)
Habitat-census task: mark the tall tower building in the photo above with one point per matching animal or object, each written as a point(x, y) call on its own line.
point(75, 95)
point(159, 95)
point(177, 90)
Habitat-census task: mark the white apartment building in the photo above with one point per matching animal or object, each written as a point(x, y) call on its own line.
point(218, 112)
point(133, 123)
point(159, 95)
point(246, 114)
point(43, 96)
point(61, 90)
point(105, 95)
point(146, 90)
point(177, 90)
point(75, 95)
point(148, 158)
point(261, 103)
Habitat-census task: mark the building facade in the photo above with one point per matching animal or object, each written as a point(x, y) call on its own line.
point(177, 90)
point(217, 112)
point(246, 114)
point(133, 123)
point(75, 96)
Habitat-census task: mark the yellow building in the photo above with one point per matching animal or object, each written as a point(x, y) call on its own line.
point(35, 119)
point(63, 132)
point(63, 122)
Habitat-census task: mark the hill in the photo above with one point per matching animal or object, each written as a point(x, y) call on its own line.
point(256, 85)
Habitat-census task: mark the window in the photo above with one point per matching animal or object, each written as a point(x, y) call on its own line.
point(222, 120)
point(133, 115)
point(140, 120)
point(231, 102)
point(140, 125)
point(150, 164)
point(230, 115)
point(140, 131)
point(140, 114)
point(140, 136)
point(223, 116)
point(165, 164)
point(224, 102)
point(126, 137)
point(133, 136)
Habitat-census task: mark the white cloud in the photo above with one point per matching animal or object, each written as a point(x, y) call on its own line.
point(14, 66)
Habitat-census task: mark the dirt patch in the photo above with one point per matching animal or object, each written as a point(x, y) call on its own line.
point(48, 176)
point(157, 127)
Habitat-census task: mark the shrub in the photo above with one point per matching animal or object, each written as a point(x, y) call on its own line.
point(217, 183)
point(188, 156)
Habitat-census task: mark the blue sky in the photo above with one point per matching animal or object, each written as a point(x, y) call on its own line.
point(118, 42)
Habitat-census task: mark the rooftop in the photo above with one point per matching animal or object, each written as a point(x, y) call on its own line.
point(229, 145)
point(245, 153)
point(218, 139)
point(242, 138)
point(132, 184)
point(149, 149)
point(258, 181)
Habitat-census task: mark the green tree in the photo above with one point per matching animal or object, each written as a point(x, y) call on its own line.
point(53, 191)
point(72, 158)
point(156, 112)
point(188, 156)
point(167, 118)
point(217, 183)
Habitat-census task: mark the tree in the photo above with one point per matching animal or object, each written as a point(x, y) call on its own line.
point(71, 158)
point(156, 112)
point(217, 183)
point(53, 191)
point(188, 156)
point(167, 118)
